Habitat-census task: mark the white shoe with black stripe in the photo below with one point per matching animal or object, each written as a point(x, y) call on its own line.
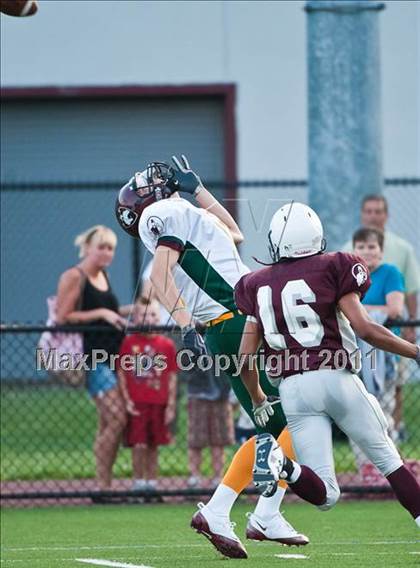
point(276, 529)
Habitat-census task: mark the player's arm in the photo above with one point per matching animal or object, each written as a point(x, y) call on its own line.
point(262, 405)
point(190, 182)
point(250, 342)
point(164, 285)
point(207, 201)
point(171, 404)
point(394, 305)
point(371, 332)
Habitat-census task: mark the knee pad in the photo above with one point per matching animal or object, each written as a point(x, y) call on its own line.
point(333, 494)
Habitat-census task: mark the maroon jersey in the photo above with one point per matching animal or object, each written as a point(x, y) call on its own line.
point(295, 304)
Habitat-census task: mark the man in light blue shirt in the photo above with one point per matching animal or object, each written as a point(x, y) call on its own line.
point(399, 252)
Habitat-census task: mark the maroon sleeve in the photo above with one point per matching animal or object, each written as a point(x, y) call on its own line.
point(244, 297)
point(171, 242)
point(352, 275)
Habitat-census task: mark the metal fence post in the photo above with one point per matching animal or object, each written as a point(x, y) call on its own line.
point(343, 110)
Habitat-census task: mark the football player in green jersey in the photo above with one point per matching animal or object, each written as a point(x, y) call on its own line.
point(195, 268)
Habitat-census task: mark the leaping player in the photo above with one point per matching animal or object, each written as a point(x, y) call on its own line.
point(195, 268)
point(305, 307)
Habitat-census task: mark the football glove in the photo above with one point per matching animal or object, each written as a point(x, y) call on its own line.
point(263, 411)
point(183, 178)
point(193, 341)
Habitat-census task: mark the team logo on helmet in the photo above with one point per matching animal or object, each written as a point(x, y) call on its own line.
point(155, 226)
point(359, 273)
point(127, 216)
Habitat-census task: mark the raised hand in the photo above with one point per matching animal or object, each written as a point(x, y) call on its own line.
point(183, 177)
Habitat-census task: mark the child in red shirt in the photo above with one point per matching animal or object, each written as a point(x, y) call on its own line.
point(149, 391)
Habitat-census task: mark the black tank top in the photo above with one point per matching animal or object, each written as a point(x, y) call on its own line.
point(92, 299)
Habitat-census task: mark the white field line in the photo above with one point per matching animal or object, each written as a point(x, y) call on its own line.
point(194, 545)
point(292, 556)
point(159, 558)
point(111, 547)
point(110, 563)
point(397, 542)
point(345, 553)
point(72, 560)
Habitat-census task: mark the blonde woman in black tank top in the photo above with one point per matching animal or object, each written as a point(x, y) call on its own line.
point(85, 296)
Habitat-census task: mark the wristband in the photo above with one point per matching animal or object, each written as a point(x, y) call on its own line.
point(186, 329)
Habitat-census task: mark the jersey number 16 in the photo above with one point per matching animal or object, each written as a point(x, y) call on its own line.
point(303, 323)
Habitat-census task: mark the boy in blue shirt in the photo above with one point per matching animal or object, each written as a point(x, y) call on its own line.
point(386, 293)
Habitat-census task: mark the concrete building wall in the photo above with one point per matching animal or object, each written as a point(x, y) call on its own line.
point(259, 46)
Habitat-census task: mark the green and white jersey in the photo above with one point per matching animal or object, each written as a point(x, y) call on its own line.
point(209, 265)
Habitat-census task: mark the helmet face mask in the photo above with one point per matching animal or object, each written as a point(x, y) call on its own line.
point(143, 189)
point(272, 249)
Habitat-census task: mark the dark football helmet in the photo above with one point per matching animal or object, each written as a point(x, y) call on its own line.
point(143, 189)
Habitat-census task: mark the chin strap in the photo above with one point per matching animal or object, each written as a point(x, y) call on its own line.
point(265, 263)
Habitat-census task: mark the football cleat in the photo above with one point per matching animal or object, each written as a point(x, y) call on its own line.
point(268, 464)
point(219, 531)
point(277, 529)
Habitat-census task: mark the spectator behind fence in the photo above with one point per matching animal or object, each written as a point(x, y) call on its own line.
point(399, 252)
point(383, 300)
point(98, 306)
point(386, 293)
point(210, 422)
point(148, 386)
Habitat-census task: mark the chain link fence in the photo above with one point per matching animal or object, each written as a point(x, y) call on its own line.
point(49, 423)
point(39, 223)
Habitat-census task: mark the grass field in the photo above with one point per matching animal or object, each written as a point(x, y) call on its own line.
point(354, 534)
point(47, 433)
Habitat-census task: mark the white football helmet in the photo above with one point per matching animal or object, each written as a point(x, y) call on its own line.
point(295, 232)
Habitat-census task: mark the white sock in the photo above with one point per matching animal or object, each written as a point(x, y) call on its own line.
point(418, 521)
point(267, 507)
point(222, 500)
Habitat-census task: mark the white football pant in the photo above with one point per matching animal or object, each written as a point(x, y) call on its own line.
point(312, 400)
